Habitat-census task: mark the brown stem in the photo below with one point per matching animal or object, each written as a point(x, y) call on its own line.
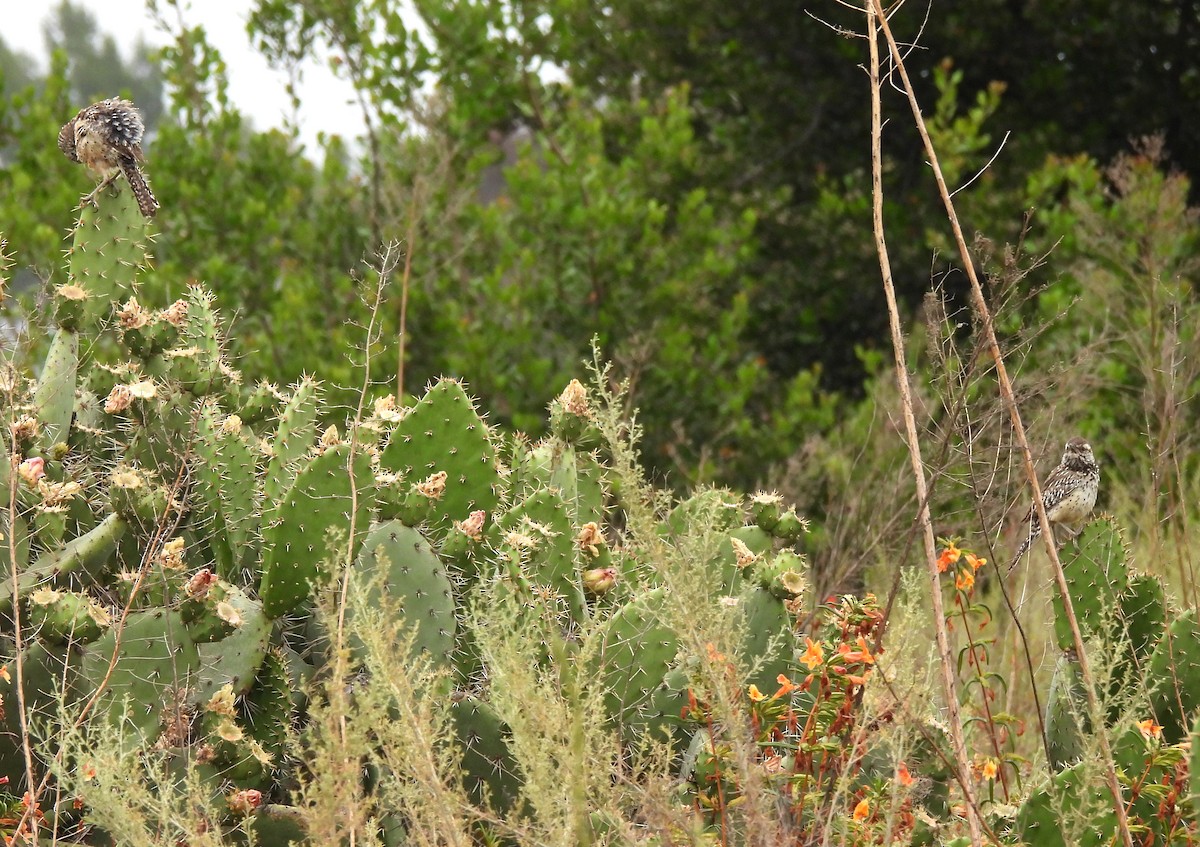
point(1006, 392)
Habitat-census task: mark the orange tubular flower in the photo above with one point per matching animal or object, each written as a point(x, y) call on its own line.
point(755, 694)
point(949, 556)
point(863, 810)
point(1149, 728)
point(786, 687)
point(814, 655)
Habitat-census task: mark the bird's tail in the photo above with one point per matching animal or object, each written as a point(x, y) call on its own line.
point(1034, 531)
point(141, 188)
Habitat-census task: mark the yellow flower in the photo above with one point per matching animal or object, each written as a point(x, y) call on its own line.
point(755, 694)
point(1149, 728)
point(813, 654)
point(965, 580)
point(989, 769)
point(863, 810)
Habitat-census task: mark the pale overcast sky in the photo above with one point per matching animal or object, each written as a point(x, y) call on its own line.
point(253, 86)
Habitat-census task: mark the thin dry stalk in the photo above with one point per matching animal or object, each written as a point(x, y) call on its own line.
point(949, 682)
point(14, 570)
point(1006, 392)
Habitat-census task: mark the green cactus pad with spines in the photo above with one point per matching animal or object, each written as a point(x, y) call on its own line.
point(267, 706)
point(397, 563)
point(107, 252)
point(579, 479)
point(637, 651)
point(45, 669)
point(1194, 765)
point(236, 658)
point(723, 565)
point(1066, 713)
point(61, 617)
point(307, 520)
point(54, 397)
point(155, 660)
point(202, 327)
point(1097, 575)
point(768, 645)
point(489, 772)
point(443, 432)
point(296, 434)
point(715, 508)
point(1143, 613)
point(88, 554)
point(1174, 672)
point(226, 486)
point(543, 517)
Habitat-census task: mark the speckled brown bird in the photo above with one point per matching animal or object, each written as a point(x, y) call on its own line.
point(107, 138)
point(1068, 495)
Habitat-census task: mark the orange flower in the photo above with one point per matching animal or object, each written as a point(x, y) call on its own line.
point(862, 654)
point(989, 769)
point(965, 580)
point(813, 654)
point(949, 556)
point(903, 776)
point(975, 561)
point(1149, 728)
point(786, 686)
point(4, 673)
point(755, 694)
point(714, 655)
point(863, 810)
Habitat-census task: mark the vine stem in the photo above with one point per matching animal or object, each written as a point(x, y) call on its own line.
point(876, 13)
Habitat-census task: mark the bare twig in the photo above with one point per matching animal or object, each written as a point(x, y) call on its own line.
point(949, 682)
point(1006, 392)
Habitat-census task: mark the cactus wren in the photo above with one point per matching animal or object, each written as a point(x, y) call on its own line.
point(1068, 495)
point(107, 137)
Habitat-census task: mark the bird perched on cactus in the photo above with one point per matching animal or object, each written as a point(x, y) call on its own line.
point(1068, 495)
point(107, 137)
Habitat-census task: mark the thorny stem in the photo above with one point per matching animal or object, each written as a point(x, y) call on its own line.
point(387, 264)
point(949, 683)
point(19, 661)
point(1009, 397)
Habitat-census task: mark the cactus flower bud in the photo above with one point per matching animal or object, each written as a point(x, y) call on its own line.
point(118, 400)
point(199, 584)
point(434, 486)
point(472, 527)
point(31, 470)
point(599, 581)
point(244, 802)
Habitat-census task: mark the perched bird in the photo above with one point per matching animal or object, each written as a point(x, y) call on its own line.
point(1068, 494)
point(107, 137)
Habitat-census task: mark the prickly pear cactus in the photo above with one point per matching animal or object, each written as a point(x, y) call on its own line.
point(331, 496)
point(444, 433)
point(1097, 575)
point(400, 569)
